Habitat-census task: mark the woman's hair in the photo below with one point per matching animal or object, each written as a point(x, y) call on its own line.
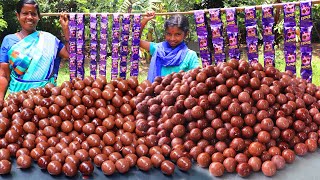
point(21, 3)
point(179, 21)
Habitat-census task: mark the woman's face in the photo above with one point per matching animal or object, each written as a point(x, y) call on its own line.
point(174, 36)
point(28, 17)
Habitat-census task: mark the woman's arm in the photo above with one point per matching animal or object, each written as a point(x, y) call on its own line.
point(146, 44)
point(4, 80)
point(64, 21)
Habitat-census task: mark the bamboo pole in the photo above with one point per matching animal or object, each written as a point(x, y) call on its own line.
point(238, 9)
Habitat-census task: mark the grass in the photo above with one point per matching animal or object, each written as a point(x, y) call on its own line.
point(143, 68)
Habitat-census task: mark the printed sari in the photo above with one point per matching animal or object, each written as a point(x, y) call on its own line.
point(32, 60)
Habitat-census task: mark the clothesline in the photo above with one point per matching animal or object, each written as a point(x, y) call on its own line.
point(239, 9)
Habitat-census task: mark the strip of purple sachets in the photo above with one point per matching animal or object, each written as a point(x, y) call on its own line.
point(126, 20)
point(103, 44)
point(305, 37)
point(93, 45)
point(290, 36)
point(115, 46)
point(252, 36)
point(202, 37)
point(80, 45)
point(134, 70)
point(232, 33)
point(217, 37)
point(72, 46)
point(268, 35)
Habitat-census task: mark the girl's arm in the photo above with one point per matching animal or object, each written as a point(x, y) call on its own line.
point(146, 44)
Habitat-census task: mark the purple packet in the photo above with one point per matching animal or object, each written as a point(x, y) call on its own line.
point(290, 35)
point(134, 68)
point(116, 21)
point(289, 14)
point(232, 40)
point(231, 17)
point(215, 16)
point(268, 47)
point(290, 57)
point(306, 67)
point(199, 19)
point(250, 16)
point(252, 32)
point(269, 59)
point(267, 14)
point(216, 31)
point(305, 36)
point(306, 13)
point(126, 24)
point(218, 46)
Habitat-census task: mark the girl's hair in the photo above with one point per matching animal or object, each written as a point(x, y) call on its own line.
point(179, 21)
point(21, 3)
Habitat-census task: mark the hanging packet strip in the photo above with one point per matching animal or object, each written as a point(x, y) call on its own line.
point(103, 44)
point(268, 35)
point(93, 45)
point(217, 37)
point(72, 46)
point(252, 36)
point(124, 45)
point(202, 37)
point(289, 29)
point(134, 69)
point(232, 33)
point(80, 45)
point(306, 25)
point(115, 46)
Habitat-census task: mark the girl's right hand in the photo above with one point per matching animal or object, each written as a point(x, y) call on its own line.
point(150, 15)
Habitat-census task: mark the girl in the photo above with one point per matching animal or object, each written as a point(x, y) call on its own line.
point(172, 55)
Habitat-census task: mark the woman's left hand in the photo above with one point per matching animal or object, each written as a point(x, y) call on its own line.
point(64, 21)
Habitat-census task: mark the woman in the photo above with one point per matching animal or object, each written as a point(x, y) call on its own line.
point(30, 58)
point(172, 55)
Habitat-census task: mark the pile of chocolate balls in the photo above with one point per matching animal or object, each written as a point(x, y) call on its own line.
point(233, 117)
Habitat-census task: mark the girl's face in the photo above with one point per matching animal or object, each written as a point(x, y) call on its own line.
point(28, 17)
point(174, 36)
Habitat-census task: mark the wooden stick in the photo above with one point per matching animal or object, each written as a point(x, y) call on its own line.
point(238, 9)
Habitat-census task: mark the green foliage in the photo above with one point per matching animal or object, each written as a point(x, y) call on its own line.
point(3, 23)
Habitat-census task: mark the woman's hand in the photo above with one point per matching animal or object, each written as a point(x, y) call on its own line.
point(64, 21)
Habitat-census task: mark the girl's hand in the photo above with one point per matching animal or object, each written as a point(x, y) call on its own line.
point(150, 15)
point(64, 21)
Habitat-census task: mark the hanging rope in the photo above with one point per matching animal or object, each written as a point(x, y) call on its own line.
point(239, 9)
